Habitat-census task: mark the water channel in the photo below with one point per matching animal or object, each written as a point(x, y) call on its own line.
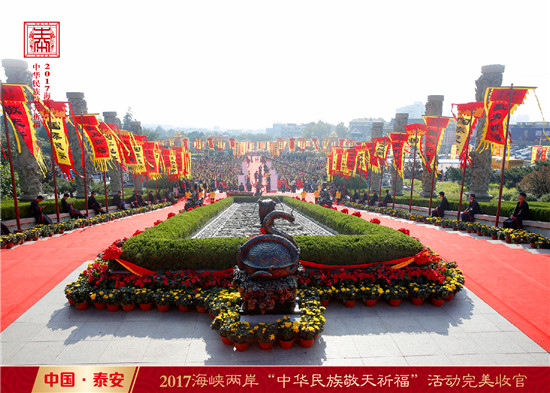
point(242, 219)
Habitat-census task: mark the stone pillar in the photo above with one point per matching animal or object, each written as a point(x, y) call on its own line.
point(491, 76)
point(24, 163)
point(135, 127)
point(376, 132)
point(401, 119)
point(114, 173)
point(434, 107)
point(80, 107)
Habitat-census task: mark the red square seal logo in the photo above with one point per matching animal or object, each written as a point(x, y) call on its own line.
point(41, 39)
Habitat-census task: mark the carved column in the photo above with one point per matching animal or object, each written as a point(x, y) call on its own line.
point(434, 107)
point(377, 132)
point(114, 173)
point(491, 75)
point(80, 107)
point(135, 127)
point(401, 119)
point(24, 163)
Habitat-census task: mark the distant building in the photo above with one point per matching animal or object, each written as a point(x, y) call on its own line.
point(360, 130)
point(528, 133)
point(415, 111)
point(286, 130)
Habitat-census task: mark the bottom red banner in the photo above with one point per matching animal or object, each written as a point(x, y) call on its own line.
point(91, 379)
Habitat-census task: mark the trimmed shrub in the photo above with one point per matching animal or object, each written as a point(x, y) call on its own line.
point(165, 246)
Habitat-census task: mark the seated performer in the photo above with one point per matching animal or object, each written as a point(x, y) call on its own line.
point(373, 199)
point(94, 204)
point(387, 199)
point(515, 221)
point(443, 205)
point(472, 210)
point(36, 211)
point(67, 207)
point(119, 202)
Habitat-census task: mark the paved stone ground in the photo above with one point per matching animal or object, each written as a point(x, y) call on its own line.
point(465, 331)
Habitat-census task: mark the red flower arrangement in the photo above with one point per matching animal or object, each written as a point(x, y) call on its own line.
point(405, 231)
point(334, 208)
point(325, 206)
point(112, 252)
point(157, 222)
point(171, 214)
point(137, 233)
point(375, 221)
point(345, 211)
point(356, 214)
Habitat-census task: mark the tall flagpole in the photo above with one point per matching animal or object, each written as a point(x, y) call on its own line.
point(84, 162)
point(106, 195)
point(394, 181)
point(504, 154)
point(14, 188)
point(414, 165)
point(381, 178)
point(433, 169)
point(465, 161)
point(53, 169)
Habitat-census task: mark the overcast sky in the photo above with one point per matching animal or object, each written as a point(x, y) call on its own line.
point(249, 64)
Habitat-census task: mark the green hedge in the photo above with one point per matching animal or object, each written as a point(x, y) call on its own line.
point(538, 211)
point(165, 245)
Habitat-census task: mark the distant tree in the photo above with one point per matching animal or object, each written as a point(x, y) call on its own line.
point(152, 135)
point(195, 134)
point(317, 130)
point(128, 118)
point(342, 131)
point(537, 182)
point(7, 189)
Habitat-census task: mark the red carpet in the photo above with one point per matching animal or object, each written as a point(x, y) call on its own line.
point(31, 270)
point(514, 282)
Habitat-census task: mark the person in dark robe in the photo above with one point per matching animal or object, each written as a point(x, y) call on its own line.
point(356, 196)
point(387, 199)
point(443, 205)
point(67, 207)
point(5, 229)
point(119, 202)
point(36, 211)
point(94, 204)
point(515, 221)
point(150, 198)
point(472, 210)
point(373, 199)
point(140, 201)
point(365, 197)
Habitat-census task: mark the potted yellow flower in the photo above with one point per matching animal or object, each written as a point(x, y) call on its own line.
point(265, 333)
point(286, 332)
point(241, 333)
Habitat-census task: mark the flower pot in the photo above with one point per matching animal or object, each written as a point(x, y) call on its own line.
point(306, 343)
point(437, 302)
point(112, 307)
point(265, 346)
point(163, 307)
point(9, 245)
point(395, 302)
point(201, 309)
point(494, 237)
point(349, 303)
point(81, 306)
point(241, 347)
point(325, 302)
point(417, 301)
point(35, 238)
point(479, 233)
point(71, 301)
point(533, 245)
point(211, 315)
point(455, 229)
point(183, 308)
point(100, 305)
point(450, 297)
point(226, 340)
point(508, 239)
point(146, 306)
point(286, 344)
point(468, 230)
point(370, 302)
point(128, 307)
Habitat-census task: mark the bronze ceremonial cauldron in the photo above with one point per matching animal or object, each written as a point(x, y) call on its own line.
point(272, 255)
